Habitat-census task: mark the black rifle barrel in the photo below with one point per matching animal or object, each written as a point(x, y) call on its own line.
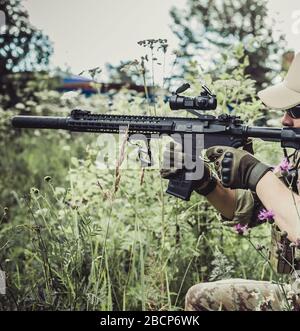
point(263, 132)
point(274, 134)
point(40, 122)
point(99, 123)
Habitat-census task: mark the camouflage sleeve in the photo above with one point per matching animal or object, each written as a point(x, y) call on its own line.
point(247, 207)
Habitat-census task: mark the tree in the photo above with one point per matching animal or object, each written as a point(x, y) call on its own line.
point(207, 27)
point(22, 46)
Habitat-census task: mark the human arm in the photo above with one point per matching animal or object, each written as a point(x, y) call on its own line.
point(223, 199)
point(239, 169)
point(284, 203)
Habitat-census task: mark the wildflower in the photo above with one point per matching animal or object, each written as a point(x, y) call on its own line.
point(37, 228)
point(34, 190)
point(260, 247)
point(94, 71)
point(240, 229)
point(266, 215)
point(47, 179)
point(283, 167)
point(84, 200)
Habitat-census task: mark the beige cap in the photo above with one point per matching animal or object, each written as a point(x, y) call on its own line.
point(286, 94)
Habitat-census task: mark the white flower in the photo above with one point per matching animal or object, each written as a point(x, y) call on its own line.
point(41, 212)
point(20, 106)
point(70, 95)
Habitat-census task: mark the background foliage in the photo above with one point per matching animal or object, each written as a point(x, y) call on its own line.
point(207, 27)
point(24, 53)
point(73, 236)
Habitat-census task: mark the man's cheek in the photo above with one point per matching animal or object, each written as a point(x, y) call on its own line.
point(296, 123)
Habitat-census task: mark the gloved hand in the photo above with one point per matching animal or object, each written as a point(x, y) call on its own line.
point(236, 167)
point(173, 166)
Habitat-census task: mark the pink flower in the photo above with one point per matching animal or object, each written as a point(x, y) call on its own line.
point(283, 166)
point(266, 215)
point(240, 229)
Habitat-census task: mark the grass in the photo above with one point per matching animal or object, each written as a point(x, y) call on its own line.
point(74, 237)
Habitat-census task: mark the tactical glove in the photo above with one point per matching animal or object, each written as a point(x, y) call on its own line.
point(173, 165)
point(236, 167)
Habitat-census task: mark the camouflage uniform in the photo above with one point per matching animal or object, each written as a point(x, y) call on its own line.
point(241, 294)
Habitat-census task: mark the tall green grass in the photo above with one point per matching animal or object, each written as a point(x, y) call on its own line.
point(74, 237)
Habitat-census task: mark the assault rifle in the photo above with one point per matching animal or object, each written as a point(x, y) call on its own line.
point(225, 130)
